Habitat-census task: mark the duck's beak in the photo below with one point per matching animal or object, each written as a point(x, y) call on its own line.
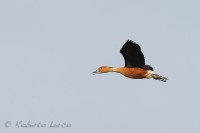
point(96, 72)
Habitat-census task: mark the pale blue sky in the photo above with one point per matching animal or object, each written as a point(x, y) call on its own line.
point(48, 49)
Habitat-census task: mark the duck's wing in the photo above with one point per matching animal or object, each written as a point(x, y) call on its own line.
point(132, 54)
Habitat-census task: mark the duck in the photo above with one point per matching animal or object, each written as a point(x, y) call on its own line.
point(135, 67)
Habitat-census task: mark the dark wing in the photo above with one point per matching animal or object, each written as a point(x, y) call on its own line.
point(132, 54)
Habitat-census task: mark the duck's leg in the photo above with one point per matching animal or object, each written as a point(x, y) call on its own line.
point(158, 77)
point(151, 74)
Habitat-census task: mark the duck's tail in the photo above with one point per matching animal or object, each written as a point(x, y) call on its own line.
point(151, 74)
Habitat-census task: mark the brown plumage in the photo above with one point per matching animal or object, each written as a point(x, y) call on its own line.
point(134, 64)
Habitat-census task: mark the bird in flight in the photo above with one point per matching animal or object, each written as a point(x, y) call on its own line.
point(135, 67)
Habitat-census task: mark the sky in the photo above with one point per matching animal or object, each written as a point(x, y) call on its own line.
point(49, 48)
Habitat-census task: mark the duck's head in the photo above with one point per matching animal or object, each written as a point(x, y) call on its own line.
point(102, 69)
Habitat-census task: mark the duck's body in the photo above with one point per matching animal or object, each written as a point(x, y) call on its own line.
point(134, 64)
point(135, 73)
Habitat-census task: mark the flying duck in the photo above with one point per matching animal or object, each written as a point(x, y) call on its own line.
point(135, 67)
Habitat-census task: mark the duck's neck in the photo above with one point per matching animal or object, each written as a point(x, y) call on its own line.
point(116, 69)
